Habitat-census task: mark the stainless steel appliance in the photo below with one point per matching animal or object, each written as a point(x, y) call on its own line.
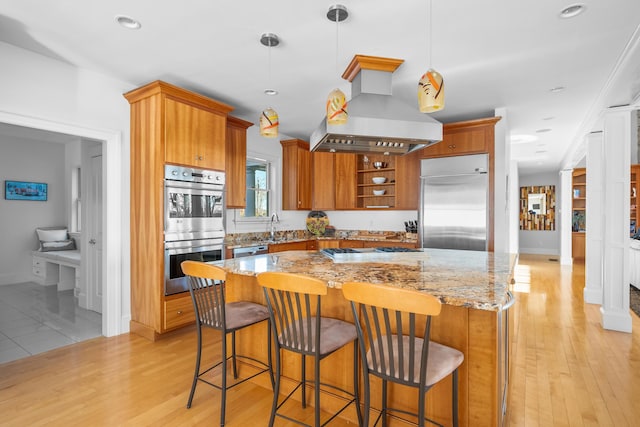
point(193, 221)
point(454, 194)
point(250, 250)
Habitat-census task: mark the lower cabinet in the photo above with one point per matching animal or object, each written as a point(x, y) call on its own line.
point(178, 312)
point(289, 246)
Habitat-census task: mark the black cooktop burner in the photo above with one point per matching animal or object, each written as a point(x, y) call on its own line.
point(395, 249)
point(333, 251)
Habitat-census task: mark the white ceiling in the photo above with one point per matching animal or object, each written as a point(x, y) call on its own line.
point(492, 54)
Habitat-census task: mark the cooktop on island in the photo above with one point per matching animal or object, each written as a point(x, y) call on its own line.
point(357, 254)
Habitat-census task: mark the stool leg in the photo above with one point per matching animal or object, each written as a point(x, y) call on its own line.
point(454, 404)
point(269, 358)
point(367, 399)
point(384, 403)
point(316, 383)
point(223, 389)
point(304, 381)
point(276, 388)
point(233, 354)
point(196, 374)
point(356, 386)
point(421, 398)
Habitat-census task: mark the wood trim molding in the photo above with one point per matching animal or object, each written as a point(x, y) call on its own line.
point(185, 96)
point(364, 62)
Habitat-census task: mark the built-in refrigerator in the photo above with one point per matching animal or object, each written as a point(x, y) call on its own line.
point(454, 193)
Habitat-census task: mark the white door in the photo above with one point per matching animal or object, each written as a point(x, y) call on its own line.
point(94, 233)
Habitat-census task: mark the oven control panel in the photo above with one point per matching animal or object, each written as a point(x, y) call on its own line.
point(181, 173)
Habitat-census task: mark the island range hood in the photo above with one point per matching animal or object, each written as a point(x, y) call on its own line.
point(378, 122)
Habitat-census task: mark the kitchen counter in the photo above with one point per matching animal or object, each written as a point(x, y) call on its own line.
point(474, 287)
point(461, 278)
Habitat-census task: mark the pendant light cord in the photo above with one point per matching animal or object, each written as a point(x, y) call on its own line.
point(430, 33)
point(337, 44)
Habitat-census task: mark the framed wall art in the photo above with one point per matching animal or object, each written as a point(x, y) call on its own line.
point(23, 190)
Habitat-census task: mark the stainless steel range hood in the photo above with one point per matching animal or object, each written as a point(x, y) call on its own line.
point(378, 122)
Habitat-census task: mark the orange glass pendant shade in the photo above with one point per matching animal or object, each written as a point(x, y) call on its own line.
point(269, 123)
point(336, 108)
point(431, 92)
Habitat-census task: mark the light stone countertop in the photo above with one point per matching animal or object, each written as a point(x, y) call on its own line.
point(473, 279)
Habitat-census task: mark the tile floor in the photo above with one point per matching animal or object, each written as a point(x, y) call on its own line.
point(35, 319)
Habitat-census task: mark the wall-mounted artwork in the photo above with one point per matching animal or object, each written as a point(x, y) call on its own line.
point(21, 190)
point(538, 208)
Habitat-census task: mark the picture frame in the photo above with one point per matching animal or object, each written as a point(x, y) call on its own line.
point(25, 190)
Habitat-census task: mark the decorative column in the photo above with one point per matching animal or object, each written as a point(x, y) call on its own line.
point(594, 219)
point(617, 144)
point(566, 215)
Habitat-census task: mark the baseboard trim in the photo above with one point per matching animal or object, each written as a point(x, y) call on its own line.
point(616, 321)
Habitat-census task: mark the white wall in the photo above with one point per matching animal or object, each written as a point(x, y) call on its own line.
point(541, 241)
point(27, 160)
point(45, 89)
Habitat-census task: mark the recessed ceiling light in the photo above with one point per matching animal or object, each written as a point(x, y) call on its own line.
point(128, 22)
point(556, 89)
point(522, 139)
point(270, 92)
point(572, 11)
point(543, 130)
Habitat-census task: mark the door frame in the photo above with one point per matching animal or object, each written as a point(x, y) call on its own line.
point(112, 321)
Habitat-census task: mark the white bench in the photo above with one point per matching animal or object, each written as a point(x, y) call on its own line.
point(61, 268)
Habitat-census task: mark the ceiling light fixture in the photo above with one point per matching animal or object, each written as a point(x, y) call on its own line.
point(431, 84)
point(336, 100)
point(557, 89)
point(572, 11)
point(269, 120)
point(543, 130)
point(128, 22)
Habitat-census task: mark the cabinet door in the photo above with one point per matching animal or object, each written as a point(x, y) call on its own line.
point(296, 175)
point(408, 181)
point(323, 181)
point(288, 246)
point(346, 184)
point(193, 136)
point(236, 163)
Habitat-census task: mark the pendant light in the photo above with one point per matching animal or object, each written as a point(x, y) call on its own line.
point(269, 121)
point(431, 85)
point(337, 101)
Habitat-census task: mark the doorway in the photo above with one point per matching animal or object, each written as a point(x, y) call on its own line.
point(112, 260)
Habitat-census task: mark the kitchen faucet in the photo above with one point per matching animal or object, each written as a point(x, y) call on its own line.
point(274, 221)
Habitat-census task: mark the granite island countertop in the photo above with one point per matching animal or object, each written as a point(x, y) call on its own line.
point(472, 279)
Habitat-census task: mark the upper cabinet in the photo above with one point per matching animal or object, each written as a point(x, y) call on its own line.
point(468, 137)
point(323, 182)
point(296, 175)
point(236, 162)
point(190, 129)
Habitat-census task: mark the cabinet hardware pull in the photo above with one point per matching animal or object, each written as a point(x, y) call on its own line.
point(179, 311)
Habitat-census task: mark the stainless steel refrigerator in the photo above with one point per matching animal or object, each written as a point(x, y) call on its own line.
point(454, 193)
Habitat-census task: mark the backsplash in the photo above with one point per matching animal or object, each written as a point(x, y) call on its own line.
point(287, 235)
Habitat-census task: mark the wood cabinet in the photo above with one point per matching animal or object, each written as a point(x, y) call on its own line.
point(366, 196)
point(194, 136)
point(345, 181)
point(236, 162)
point(289, 246)
point(296, 175)
point(408, 181)
point(168, 125)
point(579, 213)
point(323, 181)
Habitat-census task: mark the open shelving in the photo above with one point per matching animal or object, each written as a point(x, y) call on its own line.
point(365, 172)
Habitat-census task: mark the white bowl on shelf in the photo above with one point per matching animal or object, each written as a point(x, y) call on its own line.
point(379, 192)
point(378, 179)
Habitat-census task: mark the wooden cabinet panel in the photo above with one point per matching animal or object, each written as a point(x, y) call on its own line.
point(408, 181)
point(323, 184)
point(351, 244)
point(384, 244)
point(236, 162)
point(331, 243)
point(178, 312)
point(288, 246)
point(193, 136)
point(296, 175)
point(345, 181)
point(165, 121)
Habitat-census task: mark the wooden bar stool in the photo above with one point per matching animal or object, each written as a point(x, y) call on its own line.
point(393, 351)
point(294, 306)
point(207, 288)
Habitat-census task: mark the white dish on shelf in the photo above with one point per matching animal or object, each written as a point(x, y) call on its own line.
point(379, 192)
point(378, 179)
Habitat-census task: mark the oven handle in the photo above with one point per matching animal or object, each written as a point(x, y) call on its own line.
point(199, 186)
point(192, 249)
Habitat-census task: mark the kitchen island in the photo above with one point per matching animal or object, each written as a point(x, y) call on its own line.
point(473, 287)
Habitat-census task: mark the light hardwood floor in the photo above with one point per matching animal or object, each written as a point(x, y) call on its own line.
point(566, 370)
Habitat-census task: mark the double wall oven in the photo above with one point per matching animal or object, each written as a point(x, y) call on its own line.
point(193, 221)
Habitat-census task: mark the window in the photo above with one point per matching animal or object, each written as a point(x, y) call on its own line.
point(258, 190)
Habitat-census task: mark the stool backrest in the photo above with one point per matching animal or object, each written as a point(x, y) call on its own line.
point(207, 289)
point(393, 324)
point(294, 305)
